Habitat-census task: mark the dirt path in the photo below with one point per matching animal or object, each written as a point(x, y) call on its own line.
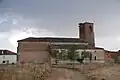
point(106, 73)
point(65, 74)
point(112, 73)
point(96, 73)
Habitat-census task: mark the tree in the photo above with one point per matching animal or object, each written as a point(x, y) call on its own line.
point(82, 56)
point(63, 53)
point(90, 56)
point(72, 54)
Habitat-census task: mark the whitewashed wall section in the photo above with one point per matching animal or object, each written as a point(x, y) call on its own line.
point(4, 59)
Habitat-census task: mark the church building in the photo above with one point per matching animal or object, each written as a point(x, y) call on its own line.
point(36, 48)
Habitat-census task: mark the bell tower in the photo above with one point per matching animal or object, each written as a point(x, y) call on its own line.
point(86, 32)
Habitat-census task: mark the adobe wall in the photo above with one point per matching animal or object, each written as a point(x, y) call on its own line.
point(99, 53)
point(33, 51)
point(110, 56)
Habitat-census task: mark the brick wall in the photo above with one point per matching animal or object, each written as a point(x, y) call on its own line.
point(110, 55)
point(33, 51)
point(86, 32)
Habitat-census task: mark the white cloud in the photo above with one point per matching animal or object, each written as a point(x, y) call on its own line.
point(23, 28)
point(20, 28)
point(12, 36)
point(3, 35)
point(24, 33)
point(3, 20)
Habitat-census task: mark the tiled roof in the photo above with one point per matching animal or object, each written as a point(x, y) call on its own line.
point(98, 48)
point(7, 52)
point(52, 39)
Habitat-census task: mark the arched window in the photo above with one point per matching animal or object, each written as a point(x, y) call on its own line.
point(91, 29)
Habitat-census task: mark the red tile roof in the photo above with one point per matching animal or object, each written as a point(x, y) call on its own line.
point(7, 52)
point(98, 48)
point(52, 39)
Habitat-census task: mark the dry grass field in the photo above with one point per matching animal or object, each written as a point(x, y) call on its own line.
point(32, 71)
point(28, 71)
point(89, 71)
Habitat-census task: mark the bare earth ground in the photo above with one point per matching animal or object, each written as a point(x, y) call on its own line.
point(65, 74)
point(62, 72)
point(90, 72)
point(106, 73)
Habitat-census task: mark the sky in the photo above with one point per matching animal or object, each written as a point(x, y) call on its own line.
point(20, 19)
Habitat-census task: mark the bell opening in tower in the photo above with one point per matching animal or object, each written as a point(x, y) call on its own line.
point(91, 29)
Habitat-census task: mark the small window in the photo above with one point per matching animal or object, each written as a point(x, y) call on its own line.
point(3, 62)
point(91, 28)
point(13, 63)
point(95, 57)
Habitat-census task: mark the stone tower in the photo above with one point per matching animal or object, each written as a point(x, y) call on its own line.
point(86, 32)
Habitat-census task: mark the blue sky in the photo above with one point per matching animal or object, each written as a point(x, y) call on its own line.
point(23, 18)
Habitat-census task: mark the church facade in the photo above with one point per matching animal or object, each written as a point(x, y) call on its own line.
point(33, 48)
